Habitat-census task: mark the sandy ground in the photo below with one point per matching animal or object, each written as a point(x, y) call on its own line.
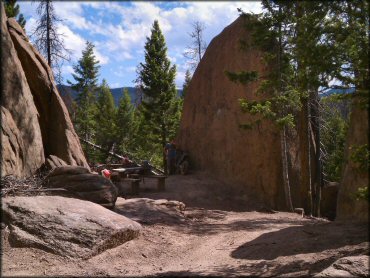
point(219, 235)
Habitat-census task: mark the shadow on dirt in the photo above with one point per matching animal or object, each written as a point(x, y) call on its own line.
point(312, 238)
point(199, 227)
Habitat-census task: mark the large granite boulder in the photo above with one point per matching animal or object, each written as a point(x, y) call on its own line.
point(84, 184)
point(65, 226)
point(35, 120)
point(209, 128)
point(349, 206)
point(22, 147)
point(58, 134)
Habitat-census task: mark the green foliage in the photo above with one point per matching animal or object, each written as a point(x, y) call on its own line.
point(242, 77)
point(360, 156)
point(333, 136)
point(86, 78)
point(159, 107)
point(127, 123)
point(186, 83)
point(86, 72)
point(12, 10)
point(105, 132)
point(363, 193)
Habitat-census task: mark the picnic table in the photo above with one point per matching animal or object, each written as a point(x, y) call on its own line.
point(135, 174)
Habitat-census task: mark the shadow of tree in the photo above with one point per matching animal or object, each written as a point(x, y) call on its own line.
point(312, 238)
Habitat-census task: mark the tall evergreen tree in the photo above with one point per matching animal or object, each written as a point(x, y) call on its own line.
point(86, 79)
point(157, 78)
point(12, 10)
point(105, 133)
point(126, 124)
point(86, 73)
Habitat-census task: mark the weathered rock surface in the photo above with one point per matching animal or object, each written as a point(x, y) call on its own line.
point(209, 129)
point(53, 162)
point(59, 139)
point(39, 119)
point(349, 208)
point(22, 148)
point(85, 185)
point(65, 226)
point(149, 211)
point(354, 266)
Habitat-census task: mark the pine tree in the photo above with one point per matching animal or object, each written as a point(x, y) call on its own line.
point(105, 118)
point(157, 78)
point(12, 10)
point(126, 124)
point(86, 78)
point(186, 83)
point(86, 73)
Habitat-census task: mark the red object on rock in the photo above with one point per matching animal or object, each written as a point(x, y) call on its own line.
point(106, 173)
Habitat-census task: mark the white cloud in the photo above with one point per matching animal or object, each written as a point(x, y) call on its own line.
point(124, 38)
point(100, 57)
point(72, 41)
point(67, 69)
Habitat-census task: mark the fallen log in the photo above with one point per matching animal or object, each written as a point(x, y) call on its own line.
point(155, 170)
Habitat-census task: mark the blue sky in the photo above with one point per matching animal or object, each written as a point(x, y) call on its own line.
point(119, 31)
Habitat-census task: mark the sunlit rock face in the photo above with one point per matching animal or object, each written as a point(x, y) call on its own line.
point(250, 160)
point(35, 120)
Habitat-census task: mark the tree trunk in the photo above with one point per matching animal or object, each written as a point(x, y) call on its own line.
point(48, 42)
point(284, 157)
point(304, 143)
point(317, 176)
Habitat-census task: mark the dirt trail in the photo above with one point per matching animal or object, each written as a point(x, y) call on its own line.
point(217, 235)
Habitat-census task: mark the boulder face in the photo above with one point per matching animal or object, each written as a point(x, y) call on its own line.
point(22, 148)
point(65, 226)
point(209, 128)
point(42, 123)
point(349, 207)
point(83, 184)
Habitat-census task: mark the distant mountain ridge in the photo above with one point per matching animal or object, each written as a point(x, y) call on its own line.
point(68, 94)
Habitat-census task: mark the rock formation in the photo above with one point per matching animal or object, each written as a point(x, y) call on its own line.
point(35, 120)
point(83, 184)
point(355, 175)
point(149, 211)
point(65, 226)
point(209, 129)
point(22, 148)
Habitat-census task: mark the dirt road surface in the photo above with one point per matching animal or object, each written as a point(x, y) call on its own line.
point(218, 234)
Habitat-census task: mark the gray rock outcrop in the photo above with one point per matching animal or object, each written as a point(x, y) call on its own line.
point(65, 226)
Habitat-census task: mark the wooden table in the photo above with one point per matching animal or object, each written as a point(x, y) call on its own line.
point(135, 183)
